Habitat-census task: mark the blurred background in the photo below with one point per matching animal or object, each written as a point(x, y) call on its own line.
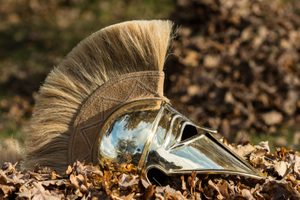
point(234, 65)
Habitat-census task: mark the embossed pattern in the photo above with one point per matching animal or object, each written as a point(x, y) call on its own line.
point(106, 99)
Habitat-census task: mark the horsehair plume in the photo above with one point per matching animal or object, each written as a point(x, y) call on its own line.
point(115, 50)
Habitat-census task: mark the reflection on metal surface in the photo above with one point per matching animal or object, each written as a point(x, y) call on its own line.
point(152, 135)
point(126, 132)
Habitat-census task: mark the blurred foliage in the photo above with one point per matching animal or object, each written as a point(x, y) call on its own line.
point(36, 34)
point(237, 67)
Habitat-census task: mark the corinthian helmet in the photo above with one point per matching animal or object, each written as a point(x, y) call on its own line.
point(105, 102)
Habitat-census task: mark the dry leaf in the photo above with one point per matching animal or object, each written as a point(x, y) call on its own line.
point(297, 165)
point(272, 118)
point(211, 61)
point(150, 190)
point(128, 181)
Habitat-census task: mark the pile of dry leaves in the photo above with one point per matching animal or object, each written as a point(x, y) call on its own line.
point(237, 64)
point(282, 171)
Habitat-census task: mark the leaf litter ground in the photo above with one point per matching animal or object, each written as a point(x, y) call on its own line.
point(281, 170)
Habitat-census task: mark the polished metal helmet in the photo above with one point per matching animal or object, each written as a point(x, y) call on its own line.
point(105, 103)
point(162, 142)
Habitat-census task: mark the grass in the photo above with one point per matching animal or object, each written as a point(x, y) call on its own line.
point(283, 137)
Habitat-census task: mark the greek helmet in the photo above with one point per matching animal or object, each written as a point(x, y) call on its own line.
point(105, 102)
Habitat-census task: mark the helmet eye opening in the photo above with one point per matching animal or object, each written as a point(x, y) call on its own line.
point(188, 132)
point(157, 177)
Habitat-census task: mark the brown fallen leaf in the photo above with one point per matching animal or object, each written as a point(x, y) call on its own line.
point(127, 180)
point(244, 150)
point(150, 190)
point(191, 59)
point(212, 61)
point(297, 165)
point(272, 118)
point(281, 168)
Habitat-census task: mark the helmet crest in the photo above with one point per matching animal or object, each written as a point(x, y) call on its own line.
point(115, 65)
